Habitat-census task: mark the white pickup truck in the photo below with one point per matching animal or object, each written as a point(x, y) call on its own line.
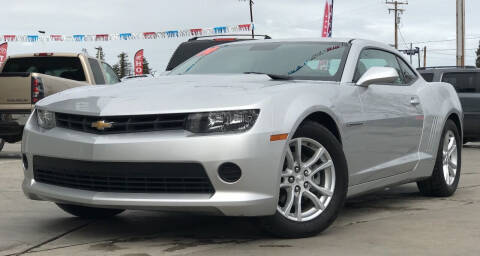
point(25, 79)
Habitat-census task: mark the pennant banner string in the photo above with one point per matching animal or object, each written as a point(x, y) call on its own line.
point(127, 36)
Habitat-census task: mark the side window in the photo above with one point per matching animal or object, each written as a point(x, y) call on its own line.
point(97, 72)
point(428, 77)
point(377, 58)
point(463, 81)
point(111, 76)
point(407, 73)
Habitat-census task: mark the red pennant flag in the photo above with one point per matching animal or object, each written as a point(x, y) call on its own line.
point(101, 37)
point(56, 37)
point(196, 31)
point(9, 37)
point(244, 27)
point(3, 53)
point(138, 62)
point(150, 35)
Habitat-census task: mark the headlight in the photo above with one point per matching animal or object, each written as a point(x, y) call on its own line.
point(224, 121)
point(45, 119)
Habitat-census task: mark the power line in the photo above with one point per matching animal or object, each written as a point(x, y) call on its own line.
point(403, 38)
point(444, 40)
point(452, 49)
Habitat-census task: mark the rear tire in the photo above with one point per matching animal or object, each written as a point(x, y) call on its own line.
point(446, 173)
point(89, 212)
point(323, 192)
point(2, 143)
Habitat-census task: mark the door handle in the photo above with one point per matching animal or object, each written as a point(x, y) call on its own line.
point(414, 101)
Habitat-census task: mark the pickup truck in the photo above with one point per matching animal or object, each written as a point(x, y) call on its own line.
point(26, 79)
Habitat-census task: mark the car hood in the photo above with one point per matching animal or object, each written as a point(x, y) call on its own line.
point(166, 94)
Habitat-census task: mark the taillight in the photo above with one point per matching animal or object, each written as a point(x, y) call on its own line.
point(37, 89)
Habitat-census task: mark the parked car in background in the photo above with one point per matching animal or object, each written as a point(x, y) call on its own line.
point(466, 81)
point(277, 129)
point(194, 45)
point(26, 79)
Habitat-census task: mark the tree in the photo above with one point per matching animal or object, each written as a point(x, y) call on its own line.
point(100, 55)
point(123, 68)
point(116, 69)
point(478, 56)
point(146, 68)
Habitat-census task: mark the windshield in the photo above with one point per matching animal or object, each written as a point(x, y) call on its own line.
point(298, 60)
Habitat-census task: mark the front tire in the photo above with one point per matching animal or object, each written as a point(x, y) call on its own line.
point(446, 173)
point(2, 143)
point(313, 185)
point(89, 212)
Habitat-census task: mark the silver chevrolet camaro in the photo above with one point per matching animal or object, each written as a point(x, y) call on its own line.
point(284, 130)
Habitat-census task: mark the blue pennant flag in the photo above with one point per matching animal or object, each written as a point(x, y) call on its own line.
point(172, 33)
point(78, 37)
point(125, 36)
point(32, 38)
point(219, 30)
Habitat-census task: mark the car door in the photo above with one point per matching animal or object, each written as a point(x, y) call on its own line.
point(393, 119)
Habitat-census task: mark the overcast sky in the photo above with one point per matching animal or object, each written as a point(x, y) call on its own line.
point(423, 20)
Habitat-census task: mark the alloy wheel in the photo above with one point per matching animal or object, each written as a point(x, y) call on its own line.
point(307, 181)
point(449, 158)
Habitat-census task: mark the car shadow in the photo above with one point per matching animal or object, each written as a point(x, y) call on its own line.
point(472, 146)
point(177, 231)
point(10, 155)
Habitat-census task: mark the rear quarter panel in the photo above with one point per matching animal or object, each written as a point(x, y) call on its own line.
point(439, 101)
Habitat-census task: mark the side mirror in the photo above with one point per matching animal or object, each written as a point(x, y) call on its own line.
point(378, 75)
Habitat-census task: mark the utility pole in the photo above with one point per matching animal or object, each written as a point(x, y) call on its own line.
point(397, 12)
point(461, 33)
point(417, 49)
point(251, 19)
point(251, 16)
point(425, 56)
point(411, 49)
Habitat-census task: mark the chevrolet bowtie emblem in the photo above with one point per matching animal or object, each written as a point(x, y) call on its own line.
point(101, 125)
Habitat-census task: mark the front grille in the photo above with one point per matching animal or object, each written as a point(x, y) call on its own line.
point(122, 124)
point(126, 177)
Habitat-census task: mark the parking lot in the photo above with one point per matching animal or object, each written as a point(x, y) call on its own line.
point(398, 221)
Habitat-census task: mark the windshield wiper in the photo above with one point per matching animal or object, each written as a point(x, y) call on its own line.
point(272, 76)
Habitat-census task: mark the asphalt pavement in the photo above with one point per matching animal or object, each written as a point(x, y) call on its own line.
point(397, 221)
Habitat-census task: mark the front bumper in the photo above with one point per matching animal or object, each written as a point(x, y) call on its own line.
point(255, 194)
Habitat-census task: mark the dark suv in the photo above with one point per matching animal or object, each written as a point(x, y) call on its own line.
point(466, 81)
point(194, 45)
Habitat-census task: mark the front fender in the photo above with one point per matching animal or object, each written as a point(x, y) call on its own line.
point(291, 110)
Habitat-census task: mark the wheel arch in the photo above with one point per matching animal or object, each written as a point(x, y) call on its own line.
point(324, 118)
point(456, 119)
